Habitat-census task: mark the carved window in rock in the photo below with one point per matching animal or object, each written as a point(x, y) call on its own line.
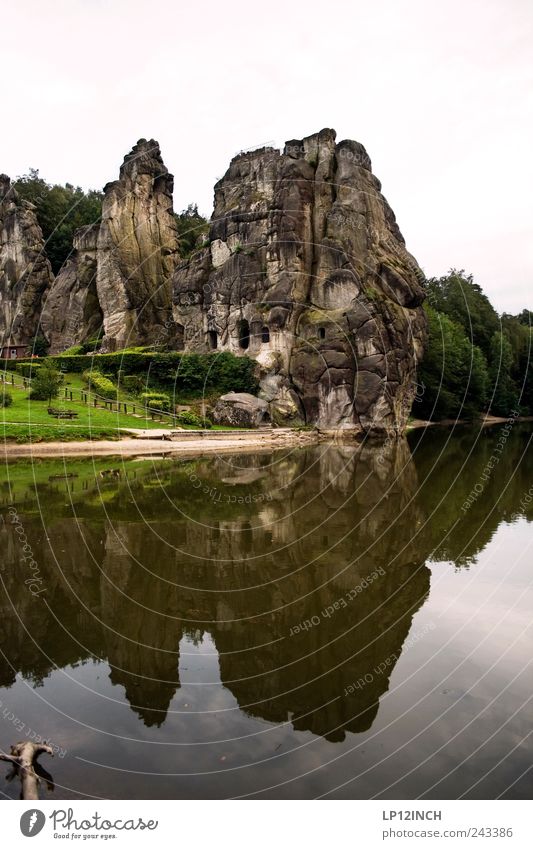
point(244, 334)
point(265, 335)
point(321, 332)
point(212, 338)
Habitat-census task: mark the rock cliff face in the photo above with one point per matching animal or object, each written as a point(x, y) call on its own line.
point(137, 250)
point(119, 274)
point(306, 271)
point(25, 273)
point(72, 312)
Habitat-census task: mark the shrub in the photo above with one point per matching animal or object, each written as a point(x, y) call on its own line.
point(28, 369)
point(9, 365)
point(100, 384)
point(133, 383)
point(155, 400)
point(73, 351)
point(6, 399)
point(91, 345)
point(187, 417)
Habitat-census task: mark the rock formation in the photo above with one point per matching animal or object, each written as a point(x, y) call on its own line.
point(239, 409)
point(306, 271)
point(72, 312)
point(119, 274)
point(25, 273)
point(137, 250)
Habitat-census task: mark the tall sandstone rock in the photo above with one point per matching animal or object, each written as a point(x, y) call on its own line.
point(306, 270)
point(119, 273)
point(137, 250)
point(72, 312)
point(25, 273)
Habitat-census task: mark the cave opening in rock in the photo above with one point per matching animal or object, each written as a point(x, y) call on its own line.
point(212, 336)
point(321, 332)
point(265, 334)
point(244, 334)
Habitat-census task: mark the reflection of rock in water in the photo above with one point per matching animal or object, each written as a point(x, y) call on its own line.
point(356, 512)
point(141, 646)
point(292, 544)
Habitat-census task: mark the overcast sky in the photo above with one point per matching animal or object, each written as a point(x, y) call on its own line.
point(440, 94)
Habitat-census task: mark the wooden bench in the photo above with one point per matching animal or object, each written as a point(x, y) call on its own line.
point(62, 414)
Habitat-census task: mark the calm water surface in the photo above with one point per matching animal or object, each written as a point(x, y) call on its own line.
point(338, 621)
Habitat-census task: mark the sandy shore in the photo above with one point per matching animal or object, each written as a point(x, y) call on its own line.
point(148, 443)
point(154, 442)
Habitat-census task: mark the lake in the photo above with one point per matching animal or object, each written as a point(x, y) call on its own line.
point(340, 621)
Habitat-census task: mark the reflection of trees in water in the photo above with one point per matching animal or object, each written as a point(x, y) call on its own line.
point(287, 539)
point(450, 469)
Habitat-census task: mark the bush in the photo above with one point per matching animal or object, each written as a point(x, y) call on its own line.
point(187, 417)
point(133, 383)
point(9, 365)
point(156, 400)
point(73, 351)
point(28, 369)
point(91, 345)
point(6, 399)
point(100, 384)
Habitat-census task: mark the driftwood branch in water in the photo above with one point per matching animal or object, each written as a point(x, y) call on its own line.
point(23, 758)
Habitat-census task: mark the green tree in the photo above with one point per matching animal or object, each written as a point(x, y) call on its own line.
point(505, 393)
point(192, 229)
point(38, 346)
point(457, 296)
point(46, 384)
point(526, 317)
point(60, 211)
point(453, 376)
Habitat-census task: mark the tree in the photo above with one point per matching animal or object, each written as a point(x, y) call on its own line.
point(505, 394)
point(457, 296)
point(38, 346)
point(526, 317)
point(192, 229)
point(453, 374)
point(60, 211)
point(46, 383)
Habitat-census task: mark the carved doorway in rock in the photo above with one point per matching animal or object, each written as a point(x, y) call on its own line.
point(244, 334)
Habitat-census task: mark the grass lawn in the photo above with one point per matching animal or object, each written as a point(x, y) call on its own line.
point(27, 420)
